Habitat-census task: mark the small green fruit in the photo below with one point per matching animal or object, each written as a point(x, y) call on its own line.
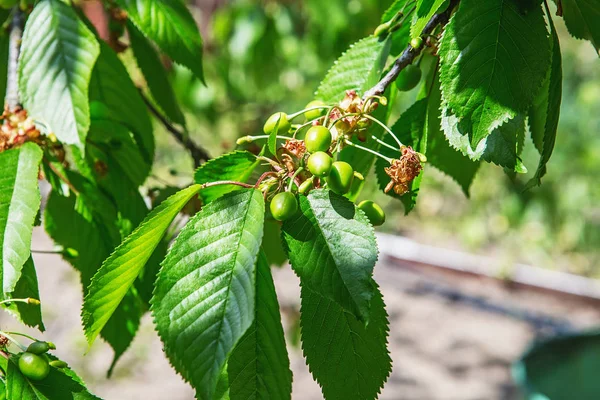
point(340, 177)
point(38, 347)
point(373, 211)
point(58, 364)
point(416, 43)
point(33, 366)
point(318, 138)
point(306, 186)
point(283, 206)
point(408, 78)
point(319, 164)
point(284, 123)
point(314, 114)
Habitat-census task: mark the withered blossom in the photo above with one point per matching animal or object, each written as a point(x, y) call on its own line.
point(403, 171)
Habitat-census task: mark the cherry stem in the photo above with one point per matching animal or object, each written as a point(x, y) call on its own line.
point(46, 251)
point(216, 183)
point(302, 126)
point(244, 139)
point(335, 121)
point(381, 142)
point(384, 126)
point(26, 301)
point(263, 176)
point(350, 143)
point(293, 178)
point(9, 337)
point(24, 335)
point(294, 115)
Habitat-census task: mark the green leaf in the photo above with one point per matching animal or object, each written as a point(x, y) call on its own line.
point(358, 69)
point(234, 166)
point(259, 367)
point(348, 359)
point(117, 99)
point(439, 152)
point(425, 10)
point(116, 142)
point(155, 74)
point(502, 147)
point(118, 272)
point(581, 18)
point(58, 385)
point(3, 67)
point(543, 116)
point(170, 25)
point(93, 246)
point(27, 286)
point(493, 62)
point(332, 248)
point(58, 53)
point(19, 204)
point(203, 301)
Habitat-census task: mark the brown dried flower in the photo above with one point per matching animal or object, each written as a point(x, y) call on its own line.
point(295, 147)
point(403, 171)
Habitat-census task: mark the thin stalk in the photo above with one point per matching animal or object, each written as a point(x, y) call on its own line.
point(293, 178)
point(246, 139)
point(24, 335)
point(349, 143)
point(12, 339)
point(294, 115)
point(381, 142)
point(302, 126)
point(26, 301)
point(217, 183)
point(384, 126)
point(46, 251)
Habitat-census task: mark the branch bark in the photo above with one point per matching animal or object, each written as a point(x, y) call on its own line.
point(199, 155)
point(14, 48)
point(410, 53)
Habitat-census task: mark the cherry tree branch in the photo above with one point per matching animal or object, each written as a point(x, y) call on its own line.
point(410, 53)
point(199, 155)
point(14, 48)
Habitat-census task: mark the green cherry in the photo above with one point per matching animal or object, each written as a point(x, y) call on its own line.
point(283, 206)
point(306, 186)
point(416, 43)
point(284, 123)
point(314, 114)
point(33, 366)
point(319, 164)
point(373, 211)
point(408, 78)
point(318, 138)
point(38, 347)
point(340, 177)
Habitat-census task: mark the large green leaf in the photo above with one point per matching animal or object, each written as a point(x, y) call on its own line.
point(332, 248)
point(203, 301)
point(118, 272)
point(92, 246)
point(58, 385)
point(493, 61)
point(544, 114)
point(19, 204)
point(155, 74)
point(581, 18)
point(27, 287)
point(259, 367)
point(171, 26)
point(234, 166)
point(424, 11)
point(358, 69)
point(115, 96)
point(58, 53)
point(348, 359)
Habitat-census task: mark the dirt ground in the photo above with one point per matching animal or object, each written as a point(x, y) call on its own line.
point(451, 338)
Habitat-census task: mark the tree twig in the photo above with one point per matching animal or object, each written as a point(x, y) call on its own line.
point(199, 155)
point(14, 48)
point(410, 53)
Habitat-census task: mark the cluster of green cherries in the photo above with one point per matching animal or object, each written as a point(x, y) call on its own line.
point(35, 364)
point(338, 175)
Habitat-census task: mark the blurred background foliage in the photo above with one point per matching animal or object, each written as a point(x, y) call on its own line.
point(263, 56)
